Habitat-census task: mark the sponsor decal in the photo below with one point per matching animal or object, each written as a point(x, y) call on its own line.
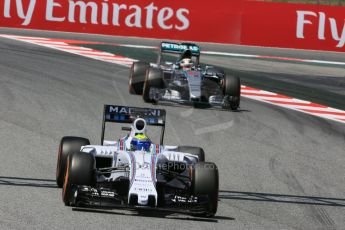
point(179, 47)
point(99, 12)
point(181, 199)
point(108, 194)
point(320, 21)
point(128, 110)
point(298, 26)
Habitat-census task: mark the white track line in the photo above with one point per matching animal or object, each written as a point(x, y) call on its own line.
point(228, 54)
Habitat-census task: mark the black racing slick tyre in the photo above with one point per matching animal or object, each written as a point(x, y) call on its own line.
point(68, 145)
point(205, 182)
point(232, 91)
point(197, 151)
point(154, 78)
point(80, 170)
point(137, 77)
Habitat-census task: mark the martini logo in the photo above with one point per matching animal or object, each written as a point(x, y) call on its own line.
point(129, 110)
point(101, 12)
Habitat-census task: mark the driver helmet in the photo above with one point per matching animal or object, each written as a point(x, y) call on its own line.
point(186, 64)
point(140, 142)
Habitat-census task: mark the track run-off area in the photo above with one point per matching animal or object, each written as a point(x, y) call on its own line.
point(279, 168)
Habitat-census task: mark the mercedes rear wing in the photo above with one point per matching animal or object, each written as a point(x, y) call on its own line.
point(179, 48)
point(125, 114)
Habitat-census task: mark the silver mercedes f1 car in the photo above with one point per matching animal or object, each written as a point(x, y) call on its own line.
point(134, 173)
point(184, 81)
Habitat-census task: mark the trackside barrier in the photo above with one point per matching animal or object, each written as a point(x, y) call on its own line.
point(244, 22)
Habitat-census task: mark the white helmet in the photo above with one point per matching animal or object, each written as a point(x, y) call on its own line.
point(186, 64)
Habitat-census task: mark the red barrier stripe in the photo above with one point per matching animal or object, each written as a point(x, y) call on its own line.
point(117, 58)
point(79, 42)
point(96, 53)
point(249, 88)
point(281, 58)
point(309, 104)
point(74, 48)
point(266, 95)
point(45, 42)
point(324, 112)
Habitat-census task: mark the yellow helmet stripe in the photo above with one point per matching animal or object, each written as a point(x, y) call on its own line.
point(140, 136)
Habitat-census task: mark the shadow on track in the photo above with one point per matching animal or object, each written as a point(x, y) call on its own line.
point(197, 107)
point(281, 198)
point(223, 195)
point(27, 182)
point(153, 214)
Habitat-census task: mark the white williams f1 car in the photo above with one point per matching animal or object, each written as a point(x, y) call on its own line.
point(133, 172)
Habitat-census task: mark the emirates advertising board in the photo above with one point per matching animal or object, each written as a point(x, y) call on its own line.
point(302, 26)
point(173, 19)
point(244, 22)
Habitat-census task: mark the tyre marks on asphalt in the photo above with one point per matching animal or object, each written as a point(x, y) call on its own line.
point(248, 92)
point(287, 177)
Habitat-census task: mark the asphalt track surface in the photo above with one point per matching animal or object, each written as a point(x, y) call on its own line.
point(279, 169)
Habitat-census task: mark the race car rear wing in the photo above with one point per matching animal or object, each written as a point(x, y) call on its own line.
point(125, 114)
point(179, 48)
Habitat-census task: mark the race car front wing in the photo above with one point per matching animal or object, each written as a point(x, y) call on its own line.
point(86, 197)
point(173, 96)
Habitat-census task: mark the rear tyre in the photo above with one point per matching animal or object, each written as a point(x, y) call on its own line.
point(137, 77)
point(197, 151)
point(205, 182)
point(80, 170)
point(154, 79)
point(68, 145)
point(232, 91)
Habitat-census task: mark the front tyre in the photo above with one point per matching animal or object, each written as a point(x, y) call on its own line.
point(68, 145)
point(205, 182)
point(154, 79)
point(80, 170)
point(232, 92)
point(137, 77)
